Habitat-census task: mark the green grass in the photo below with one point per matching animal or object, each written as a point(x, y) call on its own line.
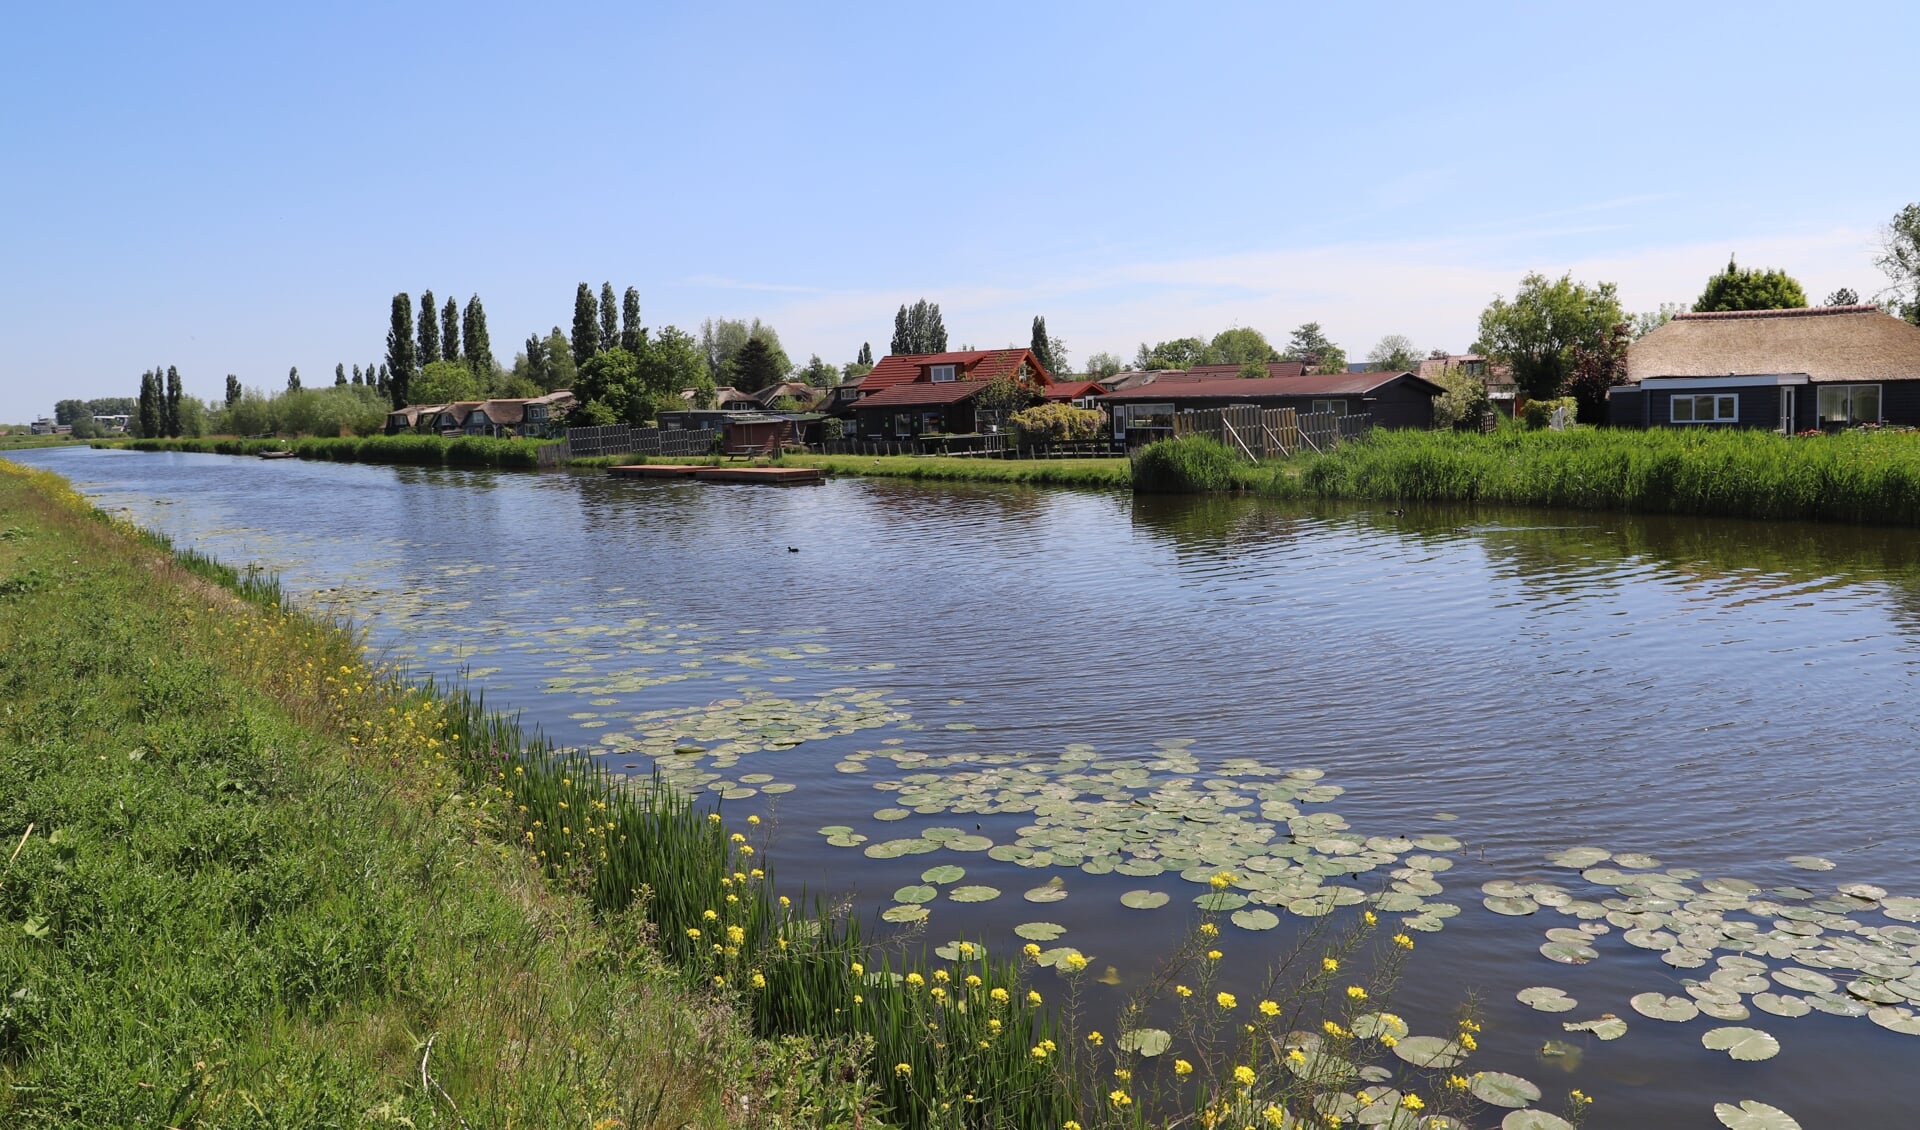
point(465, 451)
point(243, 886)
point(1856, 477)
point(23, 440)
point(1038, 472)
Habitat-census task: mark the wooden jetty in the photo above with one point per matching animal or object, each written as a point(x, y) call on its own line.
point(768, 476)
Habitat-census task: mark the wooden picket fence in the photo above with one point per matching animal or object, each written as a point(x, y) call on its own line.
point(1270, 433)
point(619, 439)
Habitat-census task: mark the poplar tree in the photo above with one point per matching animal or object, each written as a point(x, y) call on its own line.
point(473, 337)
point(339, 375)
point(630, 331)
point(1042, 346)
point(866, 355)
point(149, 411)
point(449, 333)
point(293, 379)
point(171, 412)
point(919, 329)
point(537, 361)
point(385, 385)
point(609, 318)
point(586, 329)
point(429, 329)
point(397, 374)
point(233, 390)
point(356, 375)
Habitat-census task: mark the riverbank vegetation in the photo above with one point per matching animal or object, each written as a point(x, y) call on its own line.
point(255, 874)
point(1863, 477)
point(461, 451)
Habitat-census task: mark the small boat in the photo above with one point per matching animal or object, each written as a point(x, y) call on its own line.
point(279, 454)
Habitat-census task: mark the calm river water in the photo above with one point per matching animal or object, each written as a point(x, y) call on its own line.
point(1036, 670)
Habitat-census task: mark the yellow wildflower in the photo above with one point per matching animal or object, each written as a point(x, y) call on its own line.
point(1183, 990)
point(1355, 992)
point(1221, 881)
point(1333, 1029)
point(1225, 1000)
point(1182, 1067)
point(1371, 918)
point(973, 980)
point(1095, 1038)
point(1122, 1074)
point(694, 934)
point(1213, 955)
point(1119, 1099)
point(713, 817)
point(1412, 1102)
point(753, 820)
point(859, 970)
point(1295, 1055)
point(1274, 1116)
point(1403, 941)
point(1329, 964)
point(915, 980)
point(1580, 1097)
point(1387, 1040)
point(1209, 929)
point(1039, 1051)
point(1033, 996)
point(903, 1069)
point(1243, 1075)
point(999, 995)
point(1458, 1082)
point(710, 916)
point(736, 935)
point(1468, 1042)
point(759, 981)
point(1269, 1009)
point(1075, 963)
point(1030, 949)
point(939, 995)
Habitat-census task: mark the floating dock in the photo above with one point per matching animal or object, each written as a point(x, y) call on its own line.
point(770, 476)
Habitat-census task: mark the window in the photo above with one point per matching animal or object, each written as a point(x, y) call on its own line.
point(1338, 407)
point(1841, 405)
point(939, 373)
point(1706, 408)
point(902, 424)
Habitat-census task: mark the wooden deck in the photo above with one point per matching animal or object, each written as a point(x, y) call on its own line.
point(769, 476)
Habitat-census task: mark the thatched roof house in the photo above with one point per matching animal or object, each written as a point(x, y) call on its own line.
point(1791, 370)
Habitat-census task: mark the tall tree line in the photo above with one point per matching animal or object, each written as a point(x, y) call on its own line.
point(919, 329)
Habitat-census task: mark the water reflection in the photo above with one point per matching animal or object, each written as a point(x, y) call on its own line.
point(1720, 694)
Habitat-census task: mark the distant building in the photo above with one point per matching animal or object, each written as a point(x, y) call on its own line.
point(1824, 367)
point(909, 395)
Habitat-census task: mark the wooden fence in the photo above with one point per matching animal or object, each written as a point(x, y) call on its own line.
point(1270, 433)
point(619, 439)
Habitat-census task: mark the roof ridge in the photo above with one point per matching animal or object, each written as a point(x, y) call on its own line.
point(1792, 312)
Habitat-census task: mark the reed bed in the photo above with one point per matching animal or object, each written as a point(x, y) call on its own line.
point(1859, 477)
point(463, 451)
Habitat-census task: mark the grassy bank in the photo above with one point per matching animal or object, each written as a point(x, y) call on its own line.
point(246, 884)
point(465, 451)
point(1038, 472)
point(1856, 477)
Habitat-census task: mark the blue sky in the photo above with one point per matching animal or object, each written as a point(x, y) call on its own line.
point(243, 188)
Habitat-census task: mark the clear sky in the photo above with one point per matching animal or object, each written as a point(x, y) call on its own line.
point(238, 189)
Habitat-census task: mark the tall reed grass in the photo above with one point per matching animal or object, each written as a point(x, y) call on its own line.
point(1868, 478)
point(463, 451)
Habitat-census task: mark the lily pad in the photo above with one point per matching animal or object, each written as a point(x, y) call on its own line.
point(1053, 891)
point(1567, 953)
point(973, 894)
point(1512, 906)
point(1780, 1005)
point(1805, 980)
point(1534, 1120)
point(1753, 1115)
point(1255, 919)
point(952, 951)
point(1040, 931)
point(915, 894)
point(1745, 1044)
point(1543, 998)
point(1431, 1051)
point(1900, 1020)
point(1811, 862)
point(1660, 1006)
point(1608, 1027)
point(1146, 1041)
point(904, 913)
point(1580, 858)
point(1373, 1025)
point(1501, 1089)
point(1220, 900)
point(945, 873)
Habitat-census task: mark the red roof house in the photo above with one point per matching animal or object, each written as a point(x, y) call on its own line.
point(909, 395)
point(1394, 400)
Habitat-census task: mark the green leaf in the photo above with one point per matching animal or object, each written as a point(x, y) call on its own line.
point(1534, 1120)
point(1608, 1027)
point(1753, 1115)
point(1659, 1006)
point(1255, 919)
point(1502, 1089)
point(973, 894)
point(1146, 1041)
point(915, 894)
point(1745, 1044)
point(1040, 931)
point(1144, 900)
point(945, 873)
point(1432, 1051)
point(1542, 998)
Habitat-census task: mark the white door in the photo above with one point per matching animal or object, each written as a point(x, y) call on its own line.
point(1786, 410)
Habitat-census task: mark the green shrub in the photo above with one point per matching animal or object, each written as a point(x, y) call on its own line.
point(1189, 465)
point(1057, 422)
point(1539, 413)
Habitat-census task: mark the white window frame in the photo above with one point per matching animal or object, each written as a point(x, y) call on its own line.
point(1725, 407)
point(939, 374)
point(1337, 407)
point(1849, 392)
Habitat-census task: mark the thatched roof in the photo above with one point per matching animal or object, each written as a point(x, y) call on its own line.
point(1828, 343)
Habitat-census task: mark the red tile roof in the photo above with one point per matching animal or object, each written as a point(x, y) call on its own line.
point(1072, 390)
point(920, 393)
point(976, 365)
point(1253, 388)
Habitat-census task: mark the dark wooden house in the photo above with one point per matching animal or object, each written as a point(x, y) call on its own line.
point(1392, 400)
point(909, 395)
point(1826, 367)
